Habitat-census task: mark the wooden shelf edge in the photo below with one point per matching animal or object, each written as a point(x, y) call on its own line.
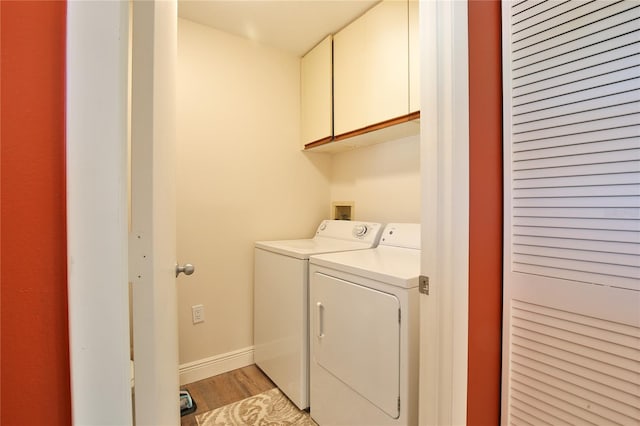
point(319, 142)
point(330, 144)
point(378, 126)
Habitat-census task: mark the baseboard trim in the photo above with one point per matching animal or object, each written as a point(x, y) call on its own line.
point(204, 368)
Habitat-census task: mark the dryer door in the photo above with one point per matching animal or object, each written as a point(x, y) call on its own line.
point(356, 332)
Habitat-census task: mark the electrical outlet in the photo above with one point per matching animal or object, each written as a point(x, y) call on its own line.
point(197, 313)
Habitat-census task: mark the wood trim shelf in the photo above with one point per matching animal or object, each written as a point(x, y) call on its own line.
point(383, 124)
point(319, 142)
point(394, 128)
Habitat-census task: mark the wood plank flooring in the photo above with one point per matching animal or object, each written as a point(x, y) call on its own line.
point(224, 389)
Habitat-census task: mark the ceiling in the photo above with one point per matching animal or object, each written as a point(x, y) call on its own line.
point(291, 25)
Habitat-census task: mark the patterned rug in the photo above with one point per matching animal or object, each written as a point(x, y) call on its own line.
point(270, 408)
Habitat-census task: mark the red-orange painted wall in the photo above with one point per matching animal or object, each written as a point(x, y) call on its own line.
point(485, 215)
point(34, 326)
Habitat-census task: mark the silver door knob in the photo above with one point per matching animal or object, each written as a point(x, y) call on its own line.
point(187, 269)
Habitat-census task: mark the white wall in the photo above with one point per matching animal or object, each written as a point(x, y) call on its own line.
point(241, 177)
point(382, 180)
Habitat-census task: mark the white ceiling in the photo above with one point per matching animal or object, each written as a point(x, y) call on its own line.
point(291, 25)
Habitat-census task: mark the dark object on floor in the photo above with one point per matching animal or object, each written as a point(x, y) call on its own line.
point(187, 404)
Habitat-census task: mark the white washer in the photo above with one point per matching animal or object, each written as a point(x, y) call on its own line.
point(363, 309)
point(281, 291)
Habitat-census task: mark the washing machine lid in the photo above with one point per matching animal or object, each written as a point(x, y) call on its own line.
point(397, 266)
point(331, 236)
point(303, 249)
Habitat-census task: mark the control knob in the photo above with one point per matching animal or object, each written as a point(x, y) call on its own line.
point(360, 230)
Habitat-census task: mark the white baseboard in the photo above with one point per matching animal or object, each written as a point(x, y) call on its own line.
point(204, 368)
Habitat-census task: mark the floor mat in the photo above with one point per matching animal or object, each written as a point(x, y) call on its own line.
point(267, 408)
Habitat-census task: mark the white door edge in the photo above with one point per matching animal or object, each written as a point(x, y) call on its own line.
point(153, 213)
point(96, 135)
point(445, 212)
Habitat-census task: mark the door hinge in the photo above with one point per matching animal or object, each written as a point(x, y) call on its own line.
point(423, 284)
point(399, 316)
point(398, 404)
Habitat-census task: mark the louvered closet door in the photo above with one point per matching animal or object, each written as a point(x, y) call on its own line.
point(571, 348)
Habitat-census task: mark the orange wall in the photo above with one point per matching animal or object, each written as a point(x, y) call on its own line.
point(485, 216)
point(34, 332)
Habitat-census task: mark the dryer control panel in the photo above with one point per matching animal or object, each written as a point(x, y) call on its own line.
point(406, 235)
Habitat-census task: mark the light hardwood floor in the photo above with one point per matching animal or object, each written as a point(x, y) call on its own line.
point(224, 389)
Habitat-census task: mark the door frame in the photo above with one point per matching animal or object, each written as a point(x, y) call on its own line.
point(444, 151)
point(97, 210)
point(98, 35)
point(96, 134)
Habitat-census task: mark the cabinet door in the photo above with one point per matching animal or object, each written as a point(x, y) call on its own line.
point(371, 68)
point(414, 56)
point(316, 93)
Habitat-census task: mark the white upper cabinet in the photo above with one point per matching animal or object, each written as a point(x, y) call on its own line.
point(371, 68)
point(316, 93)
point(362, 86)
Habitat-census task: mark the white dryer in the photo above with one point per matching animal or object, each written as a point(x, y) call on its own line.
point(364, 319)
point(281, 291)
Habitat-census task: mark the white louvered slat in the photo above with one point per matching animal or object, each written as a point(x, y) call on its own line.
point(614, 59)
point(522, 9)
point(560, 355)
point(598, 257)
point(534, 19)
point(586, 202)
point(577, 181)
point(568, 397)
point(569, 150)
point(566, 402)
point(578, 234)
point(615, 273)
point(611, 400)
point(592, 115)
point(576, 244)
point(626, 166)
point(575, 223)
point(573, 59)
point(529, 408)
point(623, 376)
point(624, 386)
point(562, 81)
point(558, 40)
point(623, 354)
point(557, 81)
point(628, 339)
point(629, 131)
point(629, 190)
point(568, 110)
point(566, 316)
point(572, 20)
point(579, 90)
point(598, 213)
point(572, 212)
point(579, 126)
point(579, 158)
point(587, 278)
point(542, 12)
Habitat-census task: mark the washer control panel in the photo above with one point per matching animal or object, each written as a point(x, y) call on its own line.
point(350, 230)
point(360, 230)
